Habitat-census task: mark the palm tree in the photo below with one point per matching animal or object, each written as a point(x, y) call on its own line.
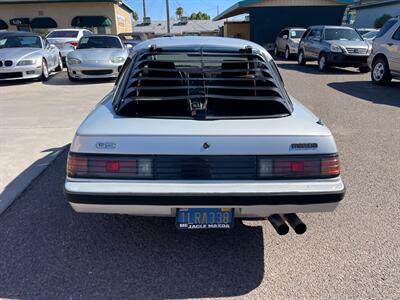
point(179, 12)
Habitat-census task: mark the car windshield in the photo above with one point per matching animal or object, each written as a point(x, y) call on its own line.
point(370, 35)
point(20, 42)
point(99, 42)
point(341, 34)
point(296, 34)
point(64, 34)
point(205, 85)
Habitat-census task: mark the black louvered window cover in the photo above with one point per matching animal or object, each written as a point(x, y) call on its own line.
point(201, 85)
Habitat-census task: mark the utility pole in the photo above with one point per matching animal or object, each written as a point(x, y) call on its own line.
point(144, 9)
point(168, 27)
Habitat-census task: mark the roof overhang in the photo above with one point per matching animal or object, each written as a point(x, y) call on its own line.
point(243, 7)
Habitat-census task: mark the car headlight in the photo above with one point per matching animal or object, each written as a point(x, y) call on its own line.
point(336, 48)
point(73, 61)
point(27, 62)
point(118, 59)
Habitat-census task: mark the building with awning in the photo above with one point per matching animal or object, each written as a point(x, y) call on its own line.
point(41, 16)
point(267, 17)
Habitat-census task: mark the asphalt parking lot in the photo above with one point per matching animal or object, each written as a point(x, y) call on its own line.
point(49, 252)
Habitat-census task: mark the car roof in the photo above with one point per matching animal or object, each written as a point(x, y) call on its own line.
point(200, 41)
point(17, 33)
point(330, 27)
point(70, 29)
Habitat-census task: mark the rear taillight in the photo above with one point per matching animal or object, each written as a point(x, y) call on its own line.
point(73, 44)
point(298, 167)
point(114, 167)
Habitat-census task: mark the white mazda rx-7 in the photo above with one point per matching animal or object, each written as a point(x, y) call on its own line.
point(203, 130)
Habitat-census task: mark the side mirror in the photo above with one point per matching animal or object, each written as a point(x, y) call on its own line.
point(285, 37)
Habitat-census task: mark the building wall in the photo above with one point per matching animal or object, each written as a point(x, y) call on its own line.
point(123, 19)
point(63, 13)
point(365, 18)
point(266, 22)
point(237, 29)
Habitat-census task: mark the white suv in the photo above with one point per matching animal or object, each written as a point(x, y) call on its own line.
point(66, 39)
point(385, 57)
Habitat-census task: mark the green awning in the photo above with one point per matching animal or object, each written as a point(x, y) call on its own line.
point(3, 25)
point(90, 21)
point(43, 22)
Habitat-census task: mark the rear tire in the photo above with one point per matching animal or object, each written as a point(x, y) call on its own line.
point(323, 63)
point(287, 53)
point(60, 65)
point(380, 73)
point(276, 52)
point(301, 59)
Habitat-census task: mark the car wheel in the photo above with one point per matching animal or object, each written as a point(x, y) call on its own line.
point(380, 72)
point(60, 65)
point(45, 71)
point(301, 59)
point(73, 79)
point(276, 52)
point(287, 54)
point(322, 63)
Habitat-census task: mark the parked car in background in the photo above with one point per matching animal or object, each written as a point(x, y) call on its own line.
point(334, 46)
point(96, 56)
point(132, 38)
point(287, 42)
point(385, 57)
point(25, 55)
point(363, 31)
point(370, 36)
point(203, 130)
point(67, 39)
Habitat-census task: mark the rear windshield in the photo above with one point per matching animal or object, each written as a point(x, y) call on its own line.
point(99, 42)
point(342, 34)
point(296, 34)
point(204, 85)
point(63, 34)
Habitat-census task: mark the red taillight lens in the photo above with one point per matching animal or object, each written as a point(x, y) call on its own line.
point(330, 166)
point(112, 166)
point(73, 44)
point(96, 166)
point(298, 167)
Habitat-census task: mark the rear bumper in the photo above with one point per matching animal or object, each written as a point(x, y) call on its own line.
point(342, 60)
point(250, 199)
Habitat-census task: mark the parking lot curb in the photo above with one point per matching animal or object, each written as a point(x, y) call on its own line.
point(16, 187)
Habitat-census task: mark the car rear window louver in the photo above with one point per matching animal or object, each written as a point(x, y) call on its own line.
point(202, 84)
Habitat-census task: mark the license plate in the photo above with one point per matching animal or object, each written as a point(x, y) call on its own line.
point(204, 218)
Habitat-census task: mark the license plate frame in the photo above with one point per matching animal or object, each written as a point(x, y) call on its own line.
point(204, 218)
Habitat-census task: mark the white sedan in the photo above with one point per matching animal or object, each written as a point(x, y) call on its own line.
point(24, 55)
point(203, 130)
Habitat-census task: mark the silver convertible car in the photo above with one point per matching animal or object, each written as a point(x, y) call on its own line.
point(25, 55)
point(203, 130)
point(96, 56)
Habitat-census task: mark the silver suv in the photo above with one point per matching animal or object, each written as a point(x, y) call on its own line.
point(385, 57)
point(287, 42)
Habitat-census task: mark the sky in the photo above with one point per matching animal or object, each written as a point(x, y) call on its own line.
point(156, 8)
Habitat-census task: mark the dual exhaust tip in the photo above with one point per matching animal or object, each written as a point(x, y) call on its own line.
point(278, 222)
